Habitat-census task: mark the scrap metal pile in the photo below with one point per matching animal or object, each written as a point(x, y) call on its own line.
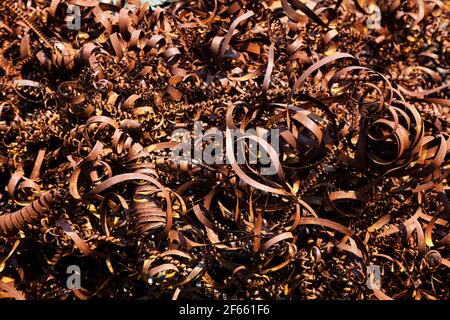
point(357, 207)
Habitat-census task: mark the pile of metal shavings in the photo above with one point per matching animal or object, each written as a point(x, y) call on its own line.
point(357, 208)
